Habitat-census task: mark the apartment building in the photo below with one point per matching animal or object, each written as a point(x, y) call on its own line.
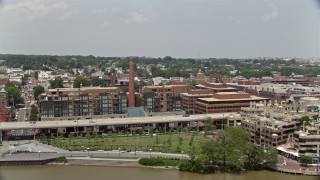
point(163, 98)
point(85, 101)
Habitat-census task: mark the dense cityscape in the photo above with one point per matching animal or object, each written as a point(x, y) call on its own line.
point(198, 108)
point(140, 89)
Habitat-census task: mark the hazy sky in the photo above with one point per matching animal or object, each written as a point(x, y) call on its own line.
point(157, 28)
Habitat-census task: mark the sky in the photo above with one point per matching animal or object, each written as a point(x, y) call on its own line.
point(158, 28)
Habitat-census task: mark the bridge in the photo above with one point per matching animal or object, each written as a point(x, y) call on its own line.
point(5, 126)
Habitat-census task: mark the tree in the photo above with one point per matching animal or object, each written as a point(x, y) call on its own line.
point(192, 84)
point(37, 90)
point(24, 79)
point(33, 113)
point(270, 157)
point(304, 118)
point(12, 114)
point(80, 81)
point(36, 75)
point(14, 93)
point(169, 141)
point(233, 143)
point(180, 141)
point(254, 157)
point(56, 83)
point(95, 81)
point(208, 125)
point(305, 160)
point(143, 83)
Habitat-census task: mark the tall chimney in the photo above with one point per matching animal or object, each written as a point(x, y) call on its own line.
point(131, 84)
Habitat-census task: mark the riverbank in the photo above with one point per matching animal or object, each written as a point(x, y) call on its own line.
point(88, 161)
point(112, 162)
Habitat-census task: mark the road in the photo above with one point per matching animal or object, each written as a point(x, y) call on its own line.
point(23, 113)
point(111, 122)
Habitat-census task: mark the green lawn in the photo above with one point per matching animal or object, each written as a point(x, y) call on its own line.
point(160, 142)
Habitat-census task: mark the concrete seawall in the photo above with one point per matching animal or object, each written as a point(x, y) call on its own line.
point(104, 162)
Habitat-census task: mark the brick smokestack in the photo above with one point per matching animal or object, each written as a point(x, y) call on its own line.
point(131, 84)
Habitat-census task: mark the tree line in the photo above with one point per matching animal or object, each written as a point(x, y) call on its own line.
point(229, 151)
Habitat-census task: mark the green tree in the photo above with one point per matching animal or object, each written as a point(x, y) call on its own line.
point(254, 157)
point(138, 101)
point(33, 113)
point(56, 83)
point(169, 141)
point(192, 84)
point(12, 114)
point(233, 143)
point(24, 79)
point(95, 81)
point(270, 156)
point(208, 125)
point(14, 93)
point(304, 118)
point(305, 160)
point(37, 90)
point(80, 81)
point(180, 141)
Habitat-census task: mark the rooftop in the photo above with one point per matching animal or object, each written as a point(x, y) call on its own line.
point(83, 88)
point(215, 99)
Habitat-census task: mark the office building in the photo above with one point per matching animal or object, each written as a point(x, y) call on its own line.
point(225, 102)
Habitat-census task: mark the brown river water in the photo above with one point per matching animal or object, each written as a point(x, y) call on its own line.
point(124, 173)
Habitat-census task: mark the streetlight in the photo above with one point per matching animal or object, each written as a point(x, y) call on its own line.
point(88, 151)
point(39, 154)
point(150, 151)
point(119, 150)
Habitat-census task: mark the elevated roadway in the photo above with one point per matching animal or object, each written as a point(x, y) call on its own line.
point(4, 126)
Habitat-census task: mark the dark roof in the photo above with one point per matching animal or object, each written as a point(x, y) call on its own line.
point(135, 112)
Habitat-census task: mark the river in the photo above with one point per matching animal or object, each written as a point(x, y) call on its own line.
point(124, 173)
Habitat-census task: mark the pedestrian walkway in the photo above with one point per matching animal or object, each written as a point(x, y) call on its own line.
point(290, 166)
point(53, 148)
point(4, 148)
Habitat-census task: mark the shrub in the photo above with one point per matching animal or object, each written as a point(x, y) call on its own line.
point(158, 161)
point(61, 159)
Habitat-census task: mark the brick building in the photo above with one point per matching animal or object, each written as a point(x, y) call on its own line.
point(225, 102)
point(216, 87)
point(188, 99)
point(163, 98)
point(85, 101)
point(4, 103)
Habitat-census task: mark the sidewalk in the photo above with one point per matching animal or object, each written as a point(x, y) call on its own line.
point(4, 148)
point(289, 165)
